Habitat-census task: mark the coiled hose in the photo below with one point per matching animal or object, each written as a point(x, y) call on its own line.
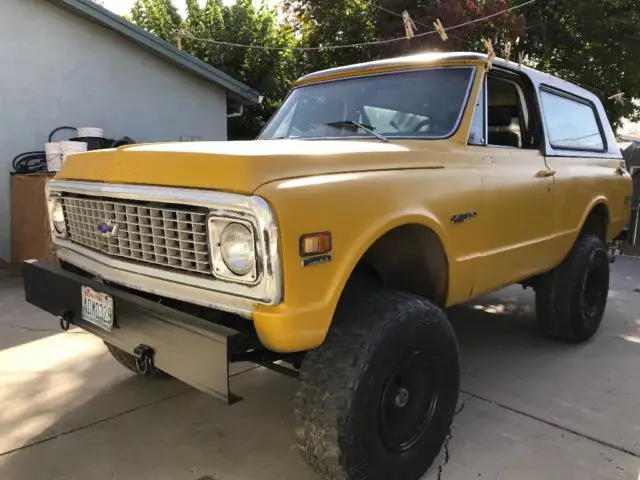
point(36, 161)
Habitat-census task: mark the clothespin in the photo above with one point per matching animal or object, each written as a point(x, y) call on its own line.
point(440, 29)
point(507, 51)
point(491, 54)
point(618, 98)
point(409, 25)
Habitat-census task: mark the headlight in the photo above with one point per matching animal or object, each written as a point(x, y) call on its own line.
point(237, 248)
point(57, 216)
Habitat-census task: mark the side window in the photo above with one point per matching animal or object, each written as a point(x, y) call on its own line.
point(571, 124)
point(506, 113)
point(477, 135)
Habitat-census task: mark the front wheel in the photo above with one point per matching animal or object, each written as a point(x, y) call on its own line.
point(377, 399)
point(571, 300)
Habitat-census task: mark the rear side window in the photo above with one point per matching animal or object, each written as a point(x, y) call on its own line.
point(571, 123)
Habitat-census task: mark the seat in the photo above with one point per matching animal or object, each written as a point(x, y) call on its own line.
point(501, 117)
point(506, 139)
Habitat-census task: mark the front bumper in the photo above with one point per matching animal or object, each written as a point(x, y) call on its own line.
point(184, 346)
point(145, 279)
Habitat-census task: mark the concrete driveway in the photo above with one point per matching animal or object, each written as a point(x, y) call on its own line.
point(530, 409)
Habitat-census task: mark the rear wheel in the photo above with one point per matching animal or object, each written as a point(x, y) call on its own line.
point(128, 361)
point(377, 399)
point(571, 300)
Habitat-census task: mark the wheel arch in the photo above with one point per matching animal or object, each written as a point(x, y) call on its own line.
point(407, 255)
point(596, 219)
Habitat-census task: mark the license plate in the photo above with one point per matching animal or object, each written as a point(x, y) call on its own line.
point(97, 308)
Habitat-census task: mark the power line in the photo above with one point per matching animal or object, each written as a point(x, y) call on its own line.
point(355, 45)
point(382, 42)
point(399, 15)
point(391, 12)
point(515, 7)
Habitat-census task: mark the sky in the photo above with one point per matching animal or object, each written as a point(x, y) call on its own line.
point(629, 128)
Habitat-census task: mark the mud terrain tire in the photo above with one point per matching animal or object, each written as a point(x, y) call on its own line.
point(571, 300)
point(377, 399)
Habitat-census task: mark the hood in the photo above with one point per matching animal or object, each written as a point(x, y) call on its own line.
point(242, 167)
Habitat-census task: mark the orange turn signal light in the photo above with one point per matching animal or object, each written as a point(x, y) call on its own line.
point(315, 244)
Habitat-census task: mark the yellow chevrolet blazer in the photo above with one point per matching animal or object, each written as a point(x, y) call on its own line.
point(327, 249)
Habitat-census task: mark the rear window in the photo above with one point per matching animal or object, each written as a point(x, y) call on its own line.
point(571, 124)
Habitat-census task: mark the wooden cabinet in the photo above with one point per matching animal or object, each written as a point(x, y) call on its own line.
point(30, 233)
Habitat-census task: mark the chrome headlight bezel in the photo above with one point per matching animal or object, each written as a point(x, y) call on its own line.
point(215, 226)
point(59, 226)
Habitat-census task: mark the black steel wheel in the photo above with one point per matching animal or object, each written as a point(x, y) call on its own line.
point(408, 402)
point(376, 400)
point(595, 292)
point(571, 300)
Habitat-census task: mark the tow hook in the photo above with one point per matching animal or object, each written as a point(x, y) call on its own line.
point(65, 320)
point(144, 359)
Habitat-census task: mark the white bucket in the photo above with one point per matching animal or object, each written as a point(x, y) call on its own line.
point(90, 132)
point(69, 148)
point(53, 153)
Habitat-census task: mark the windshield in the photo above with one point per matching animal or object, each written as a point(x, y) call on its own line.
point(420, 104)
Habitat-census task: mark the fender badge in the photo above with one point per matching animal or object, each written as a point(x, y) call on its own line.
point(461, 217)
point(316, 260)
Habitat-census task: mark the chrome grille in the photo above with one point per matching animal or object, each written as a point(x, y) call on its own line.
point(173, 237)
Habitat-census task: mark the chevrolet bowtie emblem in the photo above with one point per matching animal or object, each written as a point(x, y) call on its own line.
point(107, 229)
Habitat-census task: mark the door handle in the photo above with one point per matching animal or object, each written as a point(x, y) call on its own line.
point(545, 173)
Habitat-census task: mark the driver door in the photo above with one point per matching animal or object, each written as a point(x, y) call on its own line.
point(518, 187)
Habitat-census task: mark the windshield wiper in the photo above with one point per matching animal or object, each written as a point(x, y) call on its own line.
point(351, 123)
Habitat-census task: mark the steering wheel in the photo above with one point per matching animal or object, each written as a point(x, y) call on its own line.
point(421, 125)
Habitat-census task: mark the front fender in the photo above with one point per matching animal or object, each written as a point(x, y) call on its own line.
point(357, 208)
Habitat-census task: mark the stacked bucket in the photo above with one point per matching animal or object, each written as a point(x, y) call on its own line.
point(57, 152)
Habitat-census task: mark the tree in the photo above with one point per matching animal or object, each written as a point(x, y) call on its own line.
point(159, 17)
point(335, 22)
point(500, 29)
point(331, 22)
point(268, 71)
point(595, 43)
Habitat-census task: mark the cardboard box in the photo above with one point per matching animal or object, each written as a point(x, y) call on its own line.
point(30, 233)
